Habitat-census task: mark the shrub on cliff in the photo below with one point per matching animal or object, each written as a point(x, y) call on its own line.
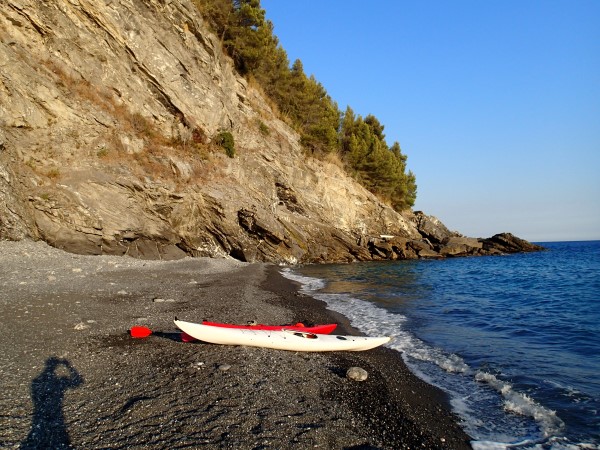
point(225, 140)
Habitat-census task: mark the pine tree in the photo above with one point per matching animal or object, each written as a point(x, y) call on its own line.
point(248, 38)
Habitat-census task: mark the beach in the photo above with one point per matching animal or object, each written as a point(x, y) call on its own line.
point(73, 377)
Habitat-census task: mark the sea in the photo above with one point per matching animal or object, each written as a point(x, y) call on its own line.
point(514, 340)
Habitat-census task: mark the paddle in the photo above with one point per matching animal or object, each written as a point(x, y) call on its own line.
point(139, 331)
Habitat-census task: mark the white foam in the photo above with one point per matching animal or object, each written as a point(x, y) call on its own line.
point(522, 404)
point(491, 445)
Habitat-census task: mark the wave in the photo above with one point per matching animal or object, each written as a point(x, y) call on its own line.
point(519, 403)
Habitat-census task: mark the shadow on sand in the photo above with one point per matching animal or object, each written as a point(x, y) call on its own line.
point(48, 428)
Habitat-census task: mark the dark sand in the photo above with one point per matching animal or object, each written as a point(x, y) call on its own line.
point(72, 377)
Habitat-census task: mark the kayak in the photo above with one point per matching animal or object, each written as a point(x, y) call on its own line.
point(319, 329)
point(284, 339)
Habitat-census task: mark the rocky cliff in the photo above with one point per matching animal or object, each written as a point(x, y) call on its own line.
point(109, 110)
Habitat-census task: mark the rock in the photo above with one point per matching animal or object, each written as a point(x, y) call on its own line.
point(428, 254)
point(181, 169)
point(508, 243)
point(356, 374)
point(431, 228)
point(454, 250)
point(132, 145)
point(460, 246)
point(465, 241)
point(224, 367)
point(383, 247)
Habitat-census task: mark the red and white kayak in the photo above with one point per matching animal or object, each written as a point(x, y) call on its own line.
point(317, 329)
point(284, 339)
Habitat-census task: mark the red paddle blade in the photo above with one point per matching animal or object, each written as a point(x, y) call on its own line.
point(187, 338)
point(140, 332)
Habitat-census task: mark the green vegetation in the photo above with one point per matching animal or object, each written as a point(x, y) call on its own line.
point(380, 169)
point(225, 140)
point(53, 173)
point(102, 152)
point(264, 130)
point(248, 38)
point(141, 125)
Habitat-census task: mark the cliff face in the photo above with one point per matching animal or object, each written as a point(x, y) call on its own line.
point(107, 111)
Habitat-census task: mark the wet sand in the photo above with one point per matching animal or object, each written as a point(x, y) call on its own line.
point(72, 377)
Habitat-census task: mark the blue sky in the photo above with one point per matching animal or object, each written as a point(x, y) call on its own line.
point(495, 103)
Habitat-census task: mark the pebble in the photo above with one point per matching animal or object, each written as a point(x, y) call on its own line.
point(357, 374)
point(224, 367)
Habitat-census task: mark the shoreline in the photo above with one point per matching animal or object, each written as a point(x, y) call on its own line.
point(401, 406)
point(74, 378)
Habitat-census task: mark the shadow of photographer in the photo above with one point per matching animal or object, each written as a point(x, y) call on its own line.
point(48, 427)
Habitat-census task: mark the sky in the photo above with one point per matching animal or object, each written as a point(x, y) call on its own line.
point(496, 103)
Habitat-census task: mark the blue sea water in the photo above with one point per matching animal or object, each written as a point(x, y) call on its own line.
point(514, 340)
